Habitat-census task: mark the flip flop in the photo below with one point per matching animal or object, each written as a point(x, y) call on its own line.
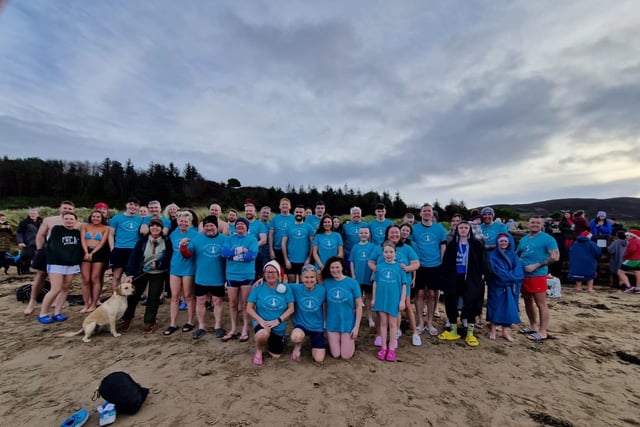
point(433, 331)
point(169, 330)
point(536, 337)
point(199, 333)
point(257, 359)
point(219, 332)
point(188, 327)
point(229, 337)
point(294, 357)
point(526, 330)
point(243, 338)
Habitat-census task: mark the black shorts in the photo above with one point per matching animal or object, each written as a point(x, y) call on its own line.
point(279, 256)
point(239, 283)
point(366, 287)
point(429, 278)
point(40, 260)
point(216, 291)
point(275, 343)
point(296, 268)
point(317, 338)
point(120, 257)
point(101, 256)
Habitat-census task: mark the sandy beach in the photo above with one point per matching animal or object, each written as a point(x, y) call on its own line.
point(576, 378)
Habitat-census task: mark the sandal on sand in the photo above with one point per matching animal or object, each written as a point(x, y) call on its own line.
point(294, 357)
point(188, 327)
point(257, 359)
point(472, 341)
point(391, 356)
point(382, 354)
point(526, 330)
point(199, 333)
point(229, 337)
point(169, 330)
point(536, 337)
point(433, 331)
point(219, 332)
point(243, 338)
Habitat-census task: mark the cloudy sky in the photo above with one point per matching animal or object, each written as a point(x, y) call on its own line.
point(481, 101)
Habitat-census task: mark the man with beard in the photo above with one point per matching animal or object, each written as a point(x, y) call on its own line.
point(256, 229)
point(296, 245)
point(209, 281)
point(314, 220)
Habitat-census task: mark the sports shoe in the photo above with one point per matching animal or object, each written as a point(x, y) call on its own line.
point(448, 336)
point(398, 333)
point(76, 420)
point(416, 340)
point(378, 341)
point(421, 329)
point(630, 290)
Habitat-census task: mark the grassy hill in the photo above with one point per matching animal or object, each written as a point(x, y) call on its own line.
point(625, 209)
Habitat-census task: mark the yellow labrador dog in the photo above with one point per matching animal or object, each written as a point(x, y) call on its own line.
point(106, 314)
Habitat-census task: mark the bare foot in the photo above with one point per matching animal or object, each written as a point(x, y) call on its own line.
point(591, 291)
point(492, 335)
point(29, 309)
point(507, 336)
point(578, 289)
point(90, 309)
point(84, 310)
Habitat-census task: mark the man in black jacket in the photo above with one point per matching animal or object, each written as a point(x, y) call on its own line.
point(26, 238)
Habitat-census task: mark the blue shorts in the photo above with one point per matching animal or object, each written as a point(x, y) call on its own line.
point(317, 338)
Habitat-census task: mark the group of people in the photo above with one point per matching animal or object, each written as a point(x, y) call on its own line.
point(304, 267)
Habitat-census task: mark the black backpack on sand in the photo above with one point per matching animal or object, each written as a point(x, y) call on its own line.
point(121, 390)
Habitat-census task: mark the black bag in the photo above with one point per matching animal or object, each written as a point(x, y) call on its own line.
point(23, 293)
point(121, 390)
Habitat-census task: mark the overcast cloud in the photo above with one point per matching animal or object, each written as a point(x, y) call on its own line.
point(483, 101)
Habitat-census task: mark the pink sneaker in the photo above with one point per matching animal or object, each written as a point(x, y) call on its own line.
point(378, 341)
point(382, 354)
point(391, 356)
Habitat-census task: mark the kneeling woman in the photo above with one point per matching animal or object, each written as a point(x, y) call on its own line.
point(344, 308)
point(270, 305)
point(308, 318)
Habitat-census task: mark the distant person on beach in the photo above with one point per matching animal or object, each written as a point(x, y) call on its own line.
point(600, 225)
point(123, 236)
point(314, 219)
point(351, 229)
point(379, 224)
point(344, 309)
point(583, 261)
point(537, 250)
point(64, 253)
point(326, 243)
point(94, 237)
point(26, 238)
point(308, 317)
point(581, 223)
point(270, 305)
point(40, 258)
point(631, 262)
point(279, 225)
point(296, 245)
point(503, 288)
point(616, 252)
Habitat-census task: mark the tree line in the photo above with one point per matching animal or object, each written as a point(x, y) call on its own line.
point(36, 182)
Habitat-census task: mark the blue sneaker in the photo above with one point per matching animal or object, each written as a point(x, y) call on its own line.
point(59, 317)
point(76, 420)
point(46, 319)
point(183, 306)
